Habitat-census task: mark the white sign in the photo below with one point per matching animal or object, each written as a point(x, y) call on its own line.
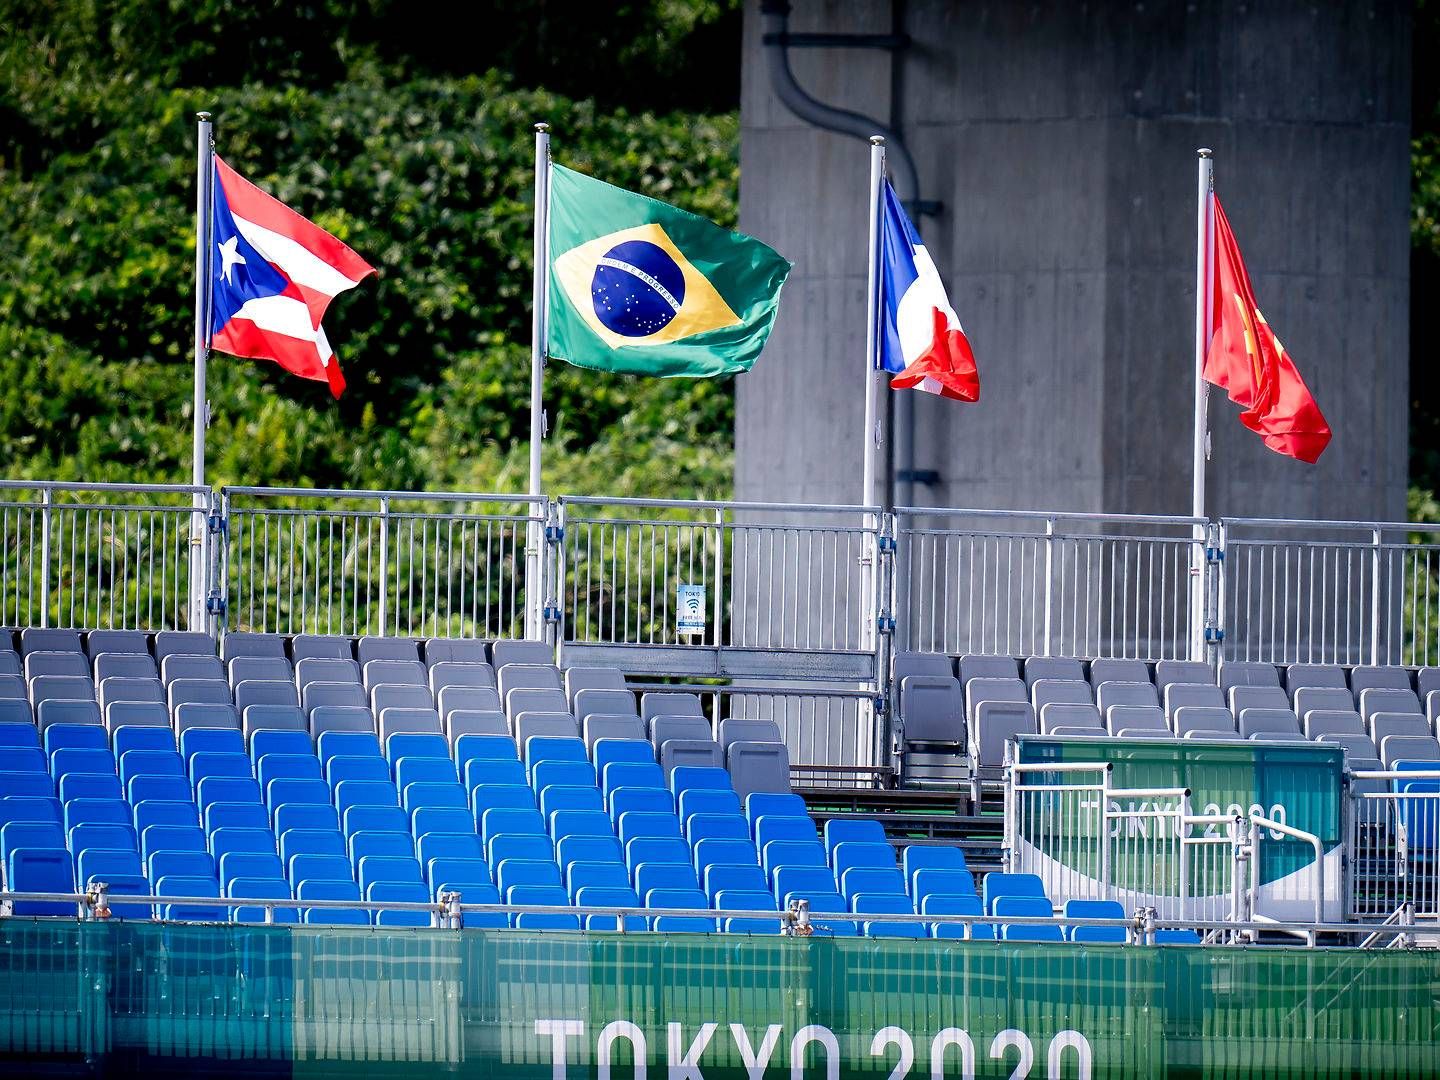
point(690, 609)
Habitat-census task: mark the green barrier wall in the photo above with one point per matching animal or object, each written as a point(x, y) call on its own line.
point(116, 998)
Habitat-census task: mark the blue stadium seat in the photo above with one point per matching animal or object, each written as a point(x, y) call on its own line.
point(170, 838)
point(381, 868)
point(1176, 937)
point(143, 738)
point(747, 900)
point(40, 869)
point(620, 774)
point(648, 876)
point(719, 877)
point(604, 875)
point(303, 868)
point(518, 846)
point(582, 823)
point(29, 834)
point(329, 744)
point(670, 849)
point(32, 784)
point(552, 748)
point(886, 904)
point(558, 797)
point(640, 799)
point(286, 767)
point(707, 801)
point(803, 881)
point(589, 849)
point(511, 874)
point(280, 741)
point(100, 864)
point(225, 840)
point(112, 836)
point(91, 786)
point(375, 819)
point(637, 823)
point(207, 740)
point(213, 789)
point(64, 760)
point(355, 767)
point(206, 764)
point(726, 851)
point(126, 885)
point(29, 808)
point(445, 868)
point(873, 881)
point(601, 896)
point(779, 853)
point(690, 776)
point(405, 744)
point(289, 816)
point(956, 905)
point(441, 819)
point(180, 863)
point(852, 853)
point(770, 827)
point(243, 864)
point(408, 892)
point(159, 789)
point(537, 896)
point(318, 889)
point(350, 793)
point(608, 751)
point(716, 826)
point(297, 792)
point(470, 748)
point(79, 736)
point(260, 888)
point(997, 884)
point(425, 794)
point(841, 830)
point(917, 857)
point(938, 882)
point(1095, 909)
point(501, 797)
point(95, 812)
point(494, 772)
point(679, 899)
point(1026, 907)
point(150, 763)
point(175, 885)
point(563, 772)
point(366, 844)
point(427, 770)
point(295, 842)
point(507, 819)
point(18, 735)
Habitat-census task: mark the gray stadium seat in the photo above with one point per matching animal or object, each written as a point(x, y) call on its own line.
point(395, 721)
point(1072, 730)
point(1357, 747)
point(1144, 733)
point(994, 723)
point(690, 728)
point(61, 687)
point(394, 673)
point(182, 642)
point(987, 667)
point(1121, 718)
point(48, 639)
point(1409, 748)
point(197, 691)
point(980, 690)
point(327, 669)
point(529, 677)
point(16, 711)
point(1272, 723)
point(400, 696)
point(9, 662)
point(758, 767)
point(205, 714)
point(318, 694)
point(920, 663)
point(1256, 697)
point(505, 651)
point(1059, 714)
point(595, 700)
point(1188, 719)
point(132, 642)
point(455, 651)
point(190, 666)
point(1318, 722)
point(271, 718)
point(1378, 700)
point(1059, 668)
point(1061, 692)
point(740, 729)
point(666, 703)
point(1309, 698)
point(1204, 695)
point(56, 663)
point(450, 673)
point(121, 689)
point(374, 647)
point(136, 714)
point(1378, 678)
point(528, 699)
point(320, 647)
point(1125, 693)
point(12, 686)
point(1105, 670)
point(1427, 681)
point(475, 722)
point(260, 669)
point(257, 692)
point(696, 753)
point(352, 717)
point(599, 726)
point(592, 678)
point(1314, 676)
point(470, 698)
point(244, 643)
point(124, 666)
point(1386, 725)
point(1432, 706)
point(61, 711)
point(1170, 672)
point(531, 724)
point(932, 709)
point(1248, 673)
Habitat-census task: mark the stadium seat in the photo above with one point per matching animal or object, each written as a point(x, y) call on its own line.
point(956, 905)
point(1094, 909)
point(1247, 673)
point(606, 750)
point(320, 647)
point(176, 885)
point(694, 801)
point(611, 896)
point(1064, 668)
point(668, 703)
point(541, 896)
point(1191, 672)
point(720, 876)
point(1200, 720)
point(116, 642)
point(372, 647)
point(886, 904)
point(316, 889)
point(245, 643)
point(592, 849)
point(258, 669)
point(1026, 907)
point(406, 892)
point(455, 650)
point(758, 900)
point(461, 722)
point(260, 888)
point(1105, 670)
point(204, 714)
point(998, 884)
point(658, 900)
point(771, 827)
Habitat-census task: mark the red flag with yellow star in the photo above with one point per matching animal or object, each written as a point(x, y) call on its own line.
point(1246, 359)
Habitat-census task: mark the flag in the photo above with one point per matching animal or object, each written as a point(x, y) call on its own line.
point(273, 274)
point(1246, 359)
point(641, 287)
point(923, 342)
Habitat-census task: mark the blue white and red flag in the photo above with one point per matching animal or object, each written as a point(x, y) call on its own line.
point(273, 274)
point(922, 341)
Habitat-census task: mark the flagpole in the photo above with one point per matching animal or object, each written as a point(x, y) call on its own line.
point(200, 407)
point(872, 325)
point(1201, 439)
point(534, 585)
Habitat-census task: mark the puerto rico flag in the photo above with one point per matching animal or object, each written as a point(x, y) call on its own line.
point(273, 274)
point(922, 341)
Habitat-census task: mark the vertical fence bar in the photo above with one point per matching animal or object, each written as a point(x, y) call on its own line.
point(1375, 539)
point(46, 526)
point(383, 602)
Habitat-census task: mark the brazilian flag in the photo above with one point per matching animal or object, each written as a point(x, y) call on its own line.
point(640, 287)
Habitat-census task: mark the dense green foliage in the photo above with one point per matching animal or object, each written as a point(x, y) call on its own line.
point(363, 118)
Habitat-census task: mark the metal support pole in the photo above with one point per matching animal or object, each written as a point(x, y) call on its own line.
point(384, 599)
point(534, 579)
point(47, 525)
point(1204, 234)
point(200, 406)
point(1376, 542)
point(870, 436)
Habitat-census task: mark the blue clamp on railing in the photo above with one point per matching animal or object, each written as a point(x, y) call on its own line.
point(215, 523)
point(554, 533)
point(551, 613)
point(885, 624)
point(1214, 554)
point(1214, 635)
point(215, 603)
point(887, 543)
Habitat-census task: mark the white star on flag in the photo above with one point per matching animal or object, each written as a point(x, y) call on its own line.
point(229, 257)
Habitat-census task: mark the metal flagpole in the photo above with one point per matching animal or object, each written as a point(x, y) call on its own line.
point(200, 408)
point(534, 579)
point(870, 437)
point(1201, 445)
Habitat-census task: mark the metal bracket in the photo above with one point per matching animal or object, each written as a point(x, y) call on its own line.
point(885, 623)
point(216, 524)
point(1214, 555)
point(887, 544)
point(550, 612)
point(1214, 635)
point(215, 603)
point(554, 533)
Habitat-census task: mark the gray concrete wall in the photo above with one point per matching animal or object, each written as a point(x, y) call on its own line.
point(1061, 140)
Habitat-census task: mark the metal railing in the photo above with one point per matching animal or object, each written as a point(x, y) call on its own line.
point(1014, 583)
point(1394, 844)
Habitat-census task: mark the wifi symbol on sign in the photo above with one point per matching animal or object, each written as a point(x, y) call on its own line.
point(693, 606)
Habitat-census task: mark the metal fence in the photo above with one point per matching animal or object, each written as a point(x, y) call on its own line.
point(1023, 584)
point(1394, 844)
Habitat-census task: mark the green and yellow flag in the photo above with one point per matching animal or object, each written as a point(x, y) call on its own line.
point(639, 287)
